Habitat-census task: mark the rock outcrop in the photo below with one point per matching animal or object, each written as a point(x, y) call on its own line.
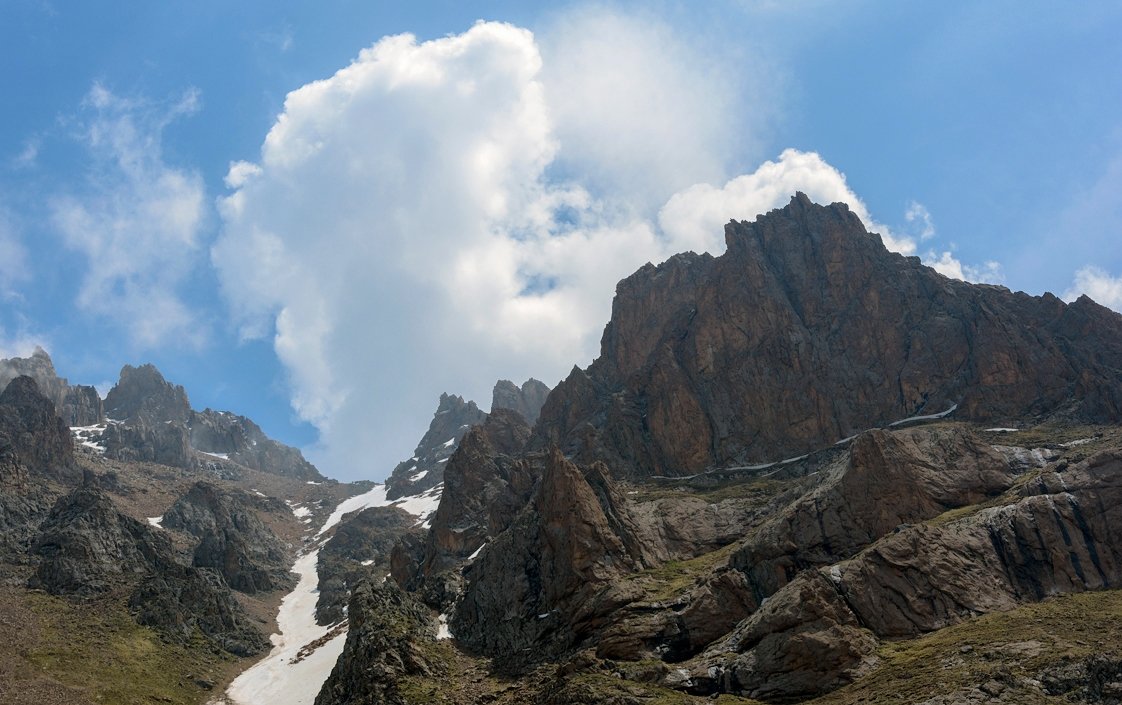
point(86, 547)
point(142, 394)
point(360, 547)
point(240, 440)
point(807, 330)
point(887, 480)
point(179, 602)
point(386, 639)
point(1061, 537)
point(232, 539)
point(77, 405)
point(527, 400)
point(33, 439)
point(425, 470)
point(484, 489)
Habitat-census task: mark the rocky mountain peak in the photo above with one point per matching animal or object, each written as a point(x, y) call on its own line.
point(527, 400)
point(425, 469)
point(806, 331)
point(142, 393)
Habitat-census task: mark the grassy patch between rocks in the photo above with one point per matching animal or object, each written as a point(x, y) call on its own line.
point(98, 650)
point(1000, 655)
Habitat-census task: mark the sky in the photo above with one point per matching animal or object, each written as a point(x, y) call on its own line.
point(322, 216)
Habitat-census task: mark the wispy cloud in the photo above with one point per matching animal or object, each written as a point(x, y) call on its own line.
point(137, 219)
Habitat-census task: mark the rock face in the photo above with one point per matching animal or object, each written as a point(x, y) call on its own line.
point(807, 330)
point(232, 539)
point(484, 489)
point(889, 479)
point(527, 400)
point(425, 469)
point(545, 583)
point(815, 632)
point(385, 641)
point(148, 442)
point(243, 441)
point(360, 547)
point(77, 405)
point(33, 439)
point(87, 547)
point(142, 394)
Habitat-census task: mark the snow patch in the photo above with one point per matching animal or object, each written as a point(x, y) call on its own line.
point(1001, 429)
point(443, 632)
point(155, 521)
point(940, 415)
point(281, 678)
point(300, 511)
point(220, 456)
point(450, 442)
point(1081, 441)
point(85, 435)
point(374, 498)
point(474, 555)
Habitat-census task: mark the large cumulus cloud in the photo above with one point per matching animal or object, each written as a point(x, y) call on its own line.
point(440, 214)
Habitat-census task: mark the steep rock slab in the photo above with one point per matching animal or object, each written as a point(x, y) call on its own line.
point(888, 479)
point(425, 470)
point(485, 487)
point(546, 582)
point(808, 330)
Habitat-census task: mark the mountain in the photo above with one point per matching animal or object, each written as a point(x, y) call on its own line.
point(792, 468)
point(807, 331)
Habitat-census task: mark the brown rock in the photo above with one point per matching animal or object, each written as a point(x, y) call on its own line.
point(889, 479)
point(807, 331)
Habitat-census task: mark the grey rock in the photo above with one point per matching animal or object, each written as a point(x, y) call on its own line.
point(527, 400)
point(425, 470)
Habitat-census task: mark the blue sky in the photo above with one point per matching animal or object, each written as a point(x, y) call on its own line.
point(443, 210)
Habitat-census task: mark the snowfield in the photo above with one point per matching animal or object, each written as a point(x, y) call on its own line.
point(294, 671)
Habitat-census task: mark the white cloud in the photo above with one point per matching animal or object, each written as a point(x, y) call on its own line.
point(640, 111)
point(694, 218)
point(948, 265)
point(420, 222)
point(1099, 285)
point(138, 222)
